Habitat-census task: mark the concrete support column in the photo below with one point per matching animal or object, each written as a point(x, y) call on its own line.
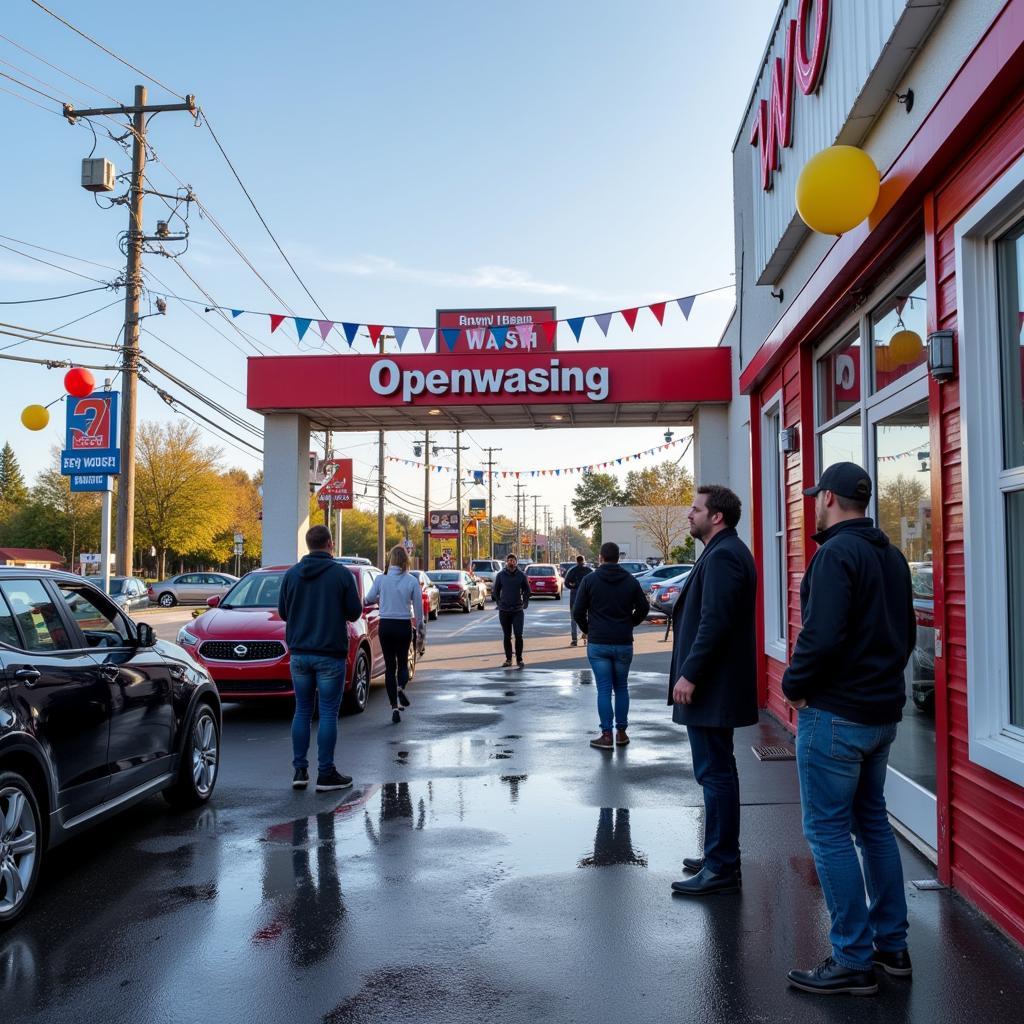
point(285, 487)
point(711, 445)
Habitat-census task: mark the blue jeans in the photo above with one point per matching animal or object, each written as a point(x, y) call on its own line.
point(573, 628)
point(312, 674)
point(842, 765)
point(610, 664)
point(714, 768)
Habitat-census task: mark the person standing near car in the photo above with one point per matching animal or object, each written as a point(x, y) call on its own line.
point(511, 596)
point(713, 680)
point(609, 603)
point(845, 678)
point(400, 597)
point(318, 595)
point(573, 579)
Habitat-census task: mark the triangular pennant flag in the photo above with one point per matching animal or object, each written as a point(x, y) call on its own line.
point(658, 309)
point(426, 334)
point(451, 336)
point(685, 305)
point(576, 323)
point(901, 302)
point(499, 334)
point(276, 319)
point(237, 312)
point(547, 329)
point(326, 326)
point(558, 472)
point(375, 332)
point(350, 332)
point(603, 320)
point(400, 333)
point(629, 315)
point(301, 325)
point(525, 334)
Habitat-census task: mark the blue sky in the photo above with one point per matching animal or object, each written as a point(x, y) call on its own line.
point(408, 158)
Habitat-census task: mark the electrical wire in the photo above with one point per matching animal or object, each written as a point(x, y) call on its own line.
point(105, 49)
point(53, 298)
point(43, 334)
point(31, 88)
point(54, 364)
point(43, 60)
point(205, 369)
point(56, 266)
point(66, 255)
point(25, 99)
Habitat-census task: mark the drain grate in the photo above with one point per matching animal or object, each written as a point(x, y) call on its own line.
point(774, 753)
point(928, 884)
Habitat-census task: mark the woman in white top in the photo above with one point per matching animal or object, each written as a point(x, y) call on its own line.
point(400, 597)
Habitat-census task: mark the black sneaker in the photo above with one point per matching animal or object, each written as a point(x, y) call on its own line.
point(300, 780)
point(572, 643)
point(396, 716)
point(402, 699)
point(832, 979)
point(897, 963)
point(326, 781)
point(507, 663)
point(520, 663)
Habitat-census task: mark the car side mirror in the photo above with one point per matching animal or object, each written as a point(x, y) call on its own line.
point(145, 635)
point(213, 601)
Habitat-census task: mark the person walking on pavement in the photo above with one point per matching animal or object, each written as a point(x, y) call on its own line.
point(845, 678)
point(609, 603)
point(318, 595)
point(713, 680)
point(511, 596)
point(573, 579)
point(400, 597)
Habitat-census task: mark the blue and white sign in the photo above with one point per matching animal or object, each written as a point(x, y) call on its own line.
point(90, 482)
point(90, 446)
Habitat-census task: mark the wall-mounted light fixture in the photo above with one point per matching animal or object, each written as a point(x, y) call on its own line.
point(940, 355)
point(907, 99)
point(789, 440)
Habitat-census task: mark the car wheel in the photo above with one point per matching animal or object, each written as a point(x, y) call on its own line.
point(558, 596)
point(200, 762)
point(359, 693)
point(467, 607)
point(21, 850)
point(432, 614)
point(167, 600)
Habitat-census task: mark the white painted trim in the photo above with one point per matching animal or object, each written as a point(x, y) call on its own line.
point(774, 646)
point(993, 743)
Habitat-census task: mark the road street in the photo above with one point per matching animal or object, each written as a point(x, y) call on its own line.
point(487, 864)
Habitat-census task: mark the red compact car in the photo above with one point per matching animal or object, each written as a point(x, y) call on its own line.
point(544, 580)
point(240, 641)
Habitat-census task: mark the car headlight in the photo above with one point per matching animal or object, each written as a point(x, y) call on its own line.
point(185, 637)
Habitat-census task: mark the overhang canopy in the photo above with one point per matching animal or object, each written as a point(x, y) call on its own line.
point(492, 390)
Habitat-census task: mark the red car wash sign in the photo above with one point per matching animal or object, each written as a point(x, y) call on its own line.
point(337, 491)
point(530, 329)
point(804, 63)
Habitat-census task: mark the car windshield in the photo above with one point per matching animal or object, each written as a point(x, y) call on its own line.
point(116, 587)
point(483, 567)
point(257, 590)
point(540, 570)
point(445, 577)
point(921, 581)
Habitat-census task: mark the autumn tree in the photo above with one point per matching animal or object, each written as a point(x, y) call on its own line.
point(182, 503)
point(661, 497)
point(898, 499)
point(593, 493)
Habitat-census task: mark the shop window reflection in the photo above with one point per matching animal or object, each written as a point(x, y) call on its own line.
point(898, 329)
point(839, 379)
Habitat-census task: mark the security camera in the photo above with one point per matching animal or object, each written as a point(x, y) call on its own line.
point(668, 435)
point(417, 450)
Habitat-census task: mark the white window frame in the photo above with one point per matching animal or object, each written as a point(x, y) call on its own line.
point(774, 524)
point(993, 742)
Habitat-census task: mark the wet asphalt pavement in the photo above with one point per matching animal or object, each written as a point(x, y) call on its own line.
point(487, 864)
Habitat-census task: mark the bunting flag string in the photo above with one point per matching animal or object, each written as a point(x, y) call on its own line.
point(567, 470)
point(450, 335)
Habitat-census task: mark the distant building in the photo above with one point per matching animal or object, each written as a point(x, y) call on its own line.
point(31, 558)
point(619, 523)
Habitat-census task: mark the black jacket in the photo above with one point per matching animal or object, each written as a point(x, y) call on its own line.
point(713, 625)
point(511, 590)
point(317, 595)
point(609, 603)
point(574, 577)
point(859, 631)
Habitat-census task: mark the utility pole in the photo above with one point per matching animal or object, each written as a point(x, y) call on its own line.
point(565, 534)
point(125, 537)
point(459, 563)
point(490, 498)
point(536, 498)
point(519, 519)
point(330, 504)
point(426, 501)
point(380, 501)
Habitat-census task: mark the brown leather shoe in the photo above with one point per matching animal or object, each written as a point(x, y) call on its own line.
point(603, 742)
point(621, 739)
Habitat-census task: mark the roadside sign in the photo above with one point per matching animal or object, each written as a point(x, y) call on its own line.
point(89, 482)
point(337, 490)
point(90, 444)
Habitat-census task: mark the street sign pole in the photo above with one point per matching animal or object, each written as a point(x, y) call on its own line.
point(105, 538)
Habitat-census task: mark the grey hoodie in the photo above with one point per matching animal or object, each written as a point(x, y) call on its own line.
point(397, 591)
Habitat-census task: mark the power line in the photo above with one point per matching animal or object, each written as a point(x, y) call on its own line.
point(54, 298)
point(54, 364)
point(25, 99)
point(105, 49)
point(56, 266)
point(25, 49)
point(205, 369)
point(43, 334)
point(66, 255)
point(31, 88)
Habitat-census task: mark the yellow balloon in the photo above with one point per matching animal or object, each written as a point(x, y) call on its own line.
point(905, 348)
point(837, 189)
point(35, 417)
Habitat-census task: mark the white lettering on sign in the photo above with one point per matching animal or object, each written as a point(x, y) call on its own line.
point(386, 378)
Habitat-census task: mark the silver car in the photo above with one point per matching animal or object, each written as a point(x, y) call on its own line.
point(190, 588)
point(660, 574)
point(665, 593)
point(128, 592)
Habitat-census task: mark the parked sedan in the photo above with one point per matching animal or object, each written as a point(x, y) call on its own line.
point(128, 592)
point(240, 641)
point(458, 589)
point(431, 595)
point(544, 580)
point(660, 574)
point(190, 588)
point(663, 595)
point(96, 714)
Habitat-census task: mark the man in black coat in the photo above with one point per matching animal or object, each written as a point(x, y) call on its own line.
point(573, 579)
point(511, 595)
point(713, 680)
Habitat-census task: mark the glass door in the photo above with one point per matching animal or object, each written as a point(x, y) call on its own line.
point(899, 440)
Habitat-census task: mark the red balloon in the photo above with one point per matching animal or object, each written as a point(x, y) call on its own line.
point(79, 382)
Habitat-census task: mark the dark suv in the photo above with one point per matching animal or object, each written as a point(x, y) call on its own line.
point(95, 715)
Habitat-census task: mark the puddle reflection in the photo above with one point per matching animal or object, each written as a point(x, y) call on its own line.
point(613, 843)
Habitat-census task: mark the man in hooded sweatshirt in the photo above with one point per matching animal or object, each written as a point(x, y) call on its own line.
point(511, 595)
point(609, 603)
point(845, 678)
point(317, 596)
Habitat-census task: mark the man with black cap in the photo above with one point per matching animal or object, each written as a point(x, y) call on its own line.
point(846, 679)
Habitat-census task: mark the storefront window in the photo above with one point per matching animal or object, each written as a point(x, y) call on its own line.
point(839, 379)
point(842, 443)
point(1015, 590)
point(898, 329)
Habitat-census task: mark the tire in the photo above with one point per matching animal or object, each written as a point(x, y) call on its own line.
point(467, 607)
point(200, 762)
point(432, 614)
point(357, 696)
point(558, 596)
point(167, 600)
point(22, 845)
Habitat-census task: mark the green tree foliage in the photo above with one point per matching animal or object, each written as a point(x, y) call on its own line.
point(903, 499)
point(359, 533)
point(13, 491)
point(593, 493)
point(684, 552)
